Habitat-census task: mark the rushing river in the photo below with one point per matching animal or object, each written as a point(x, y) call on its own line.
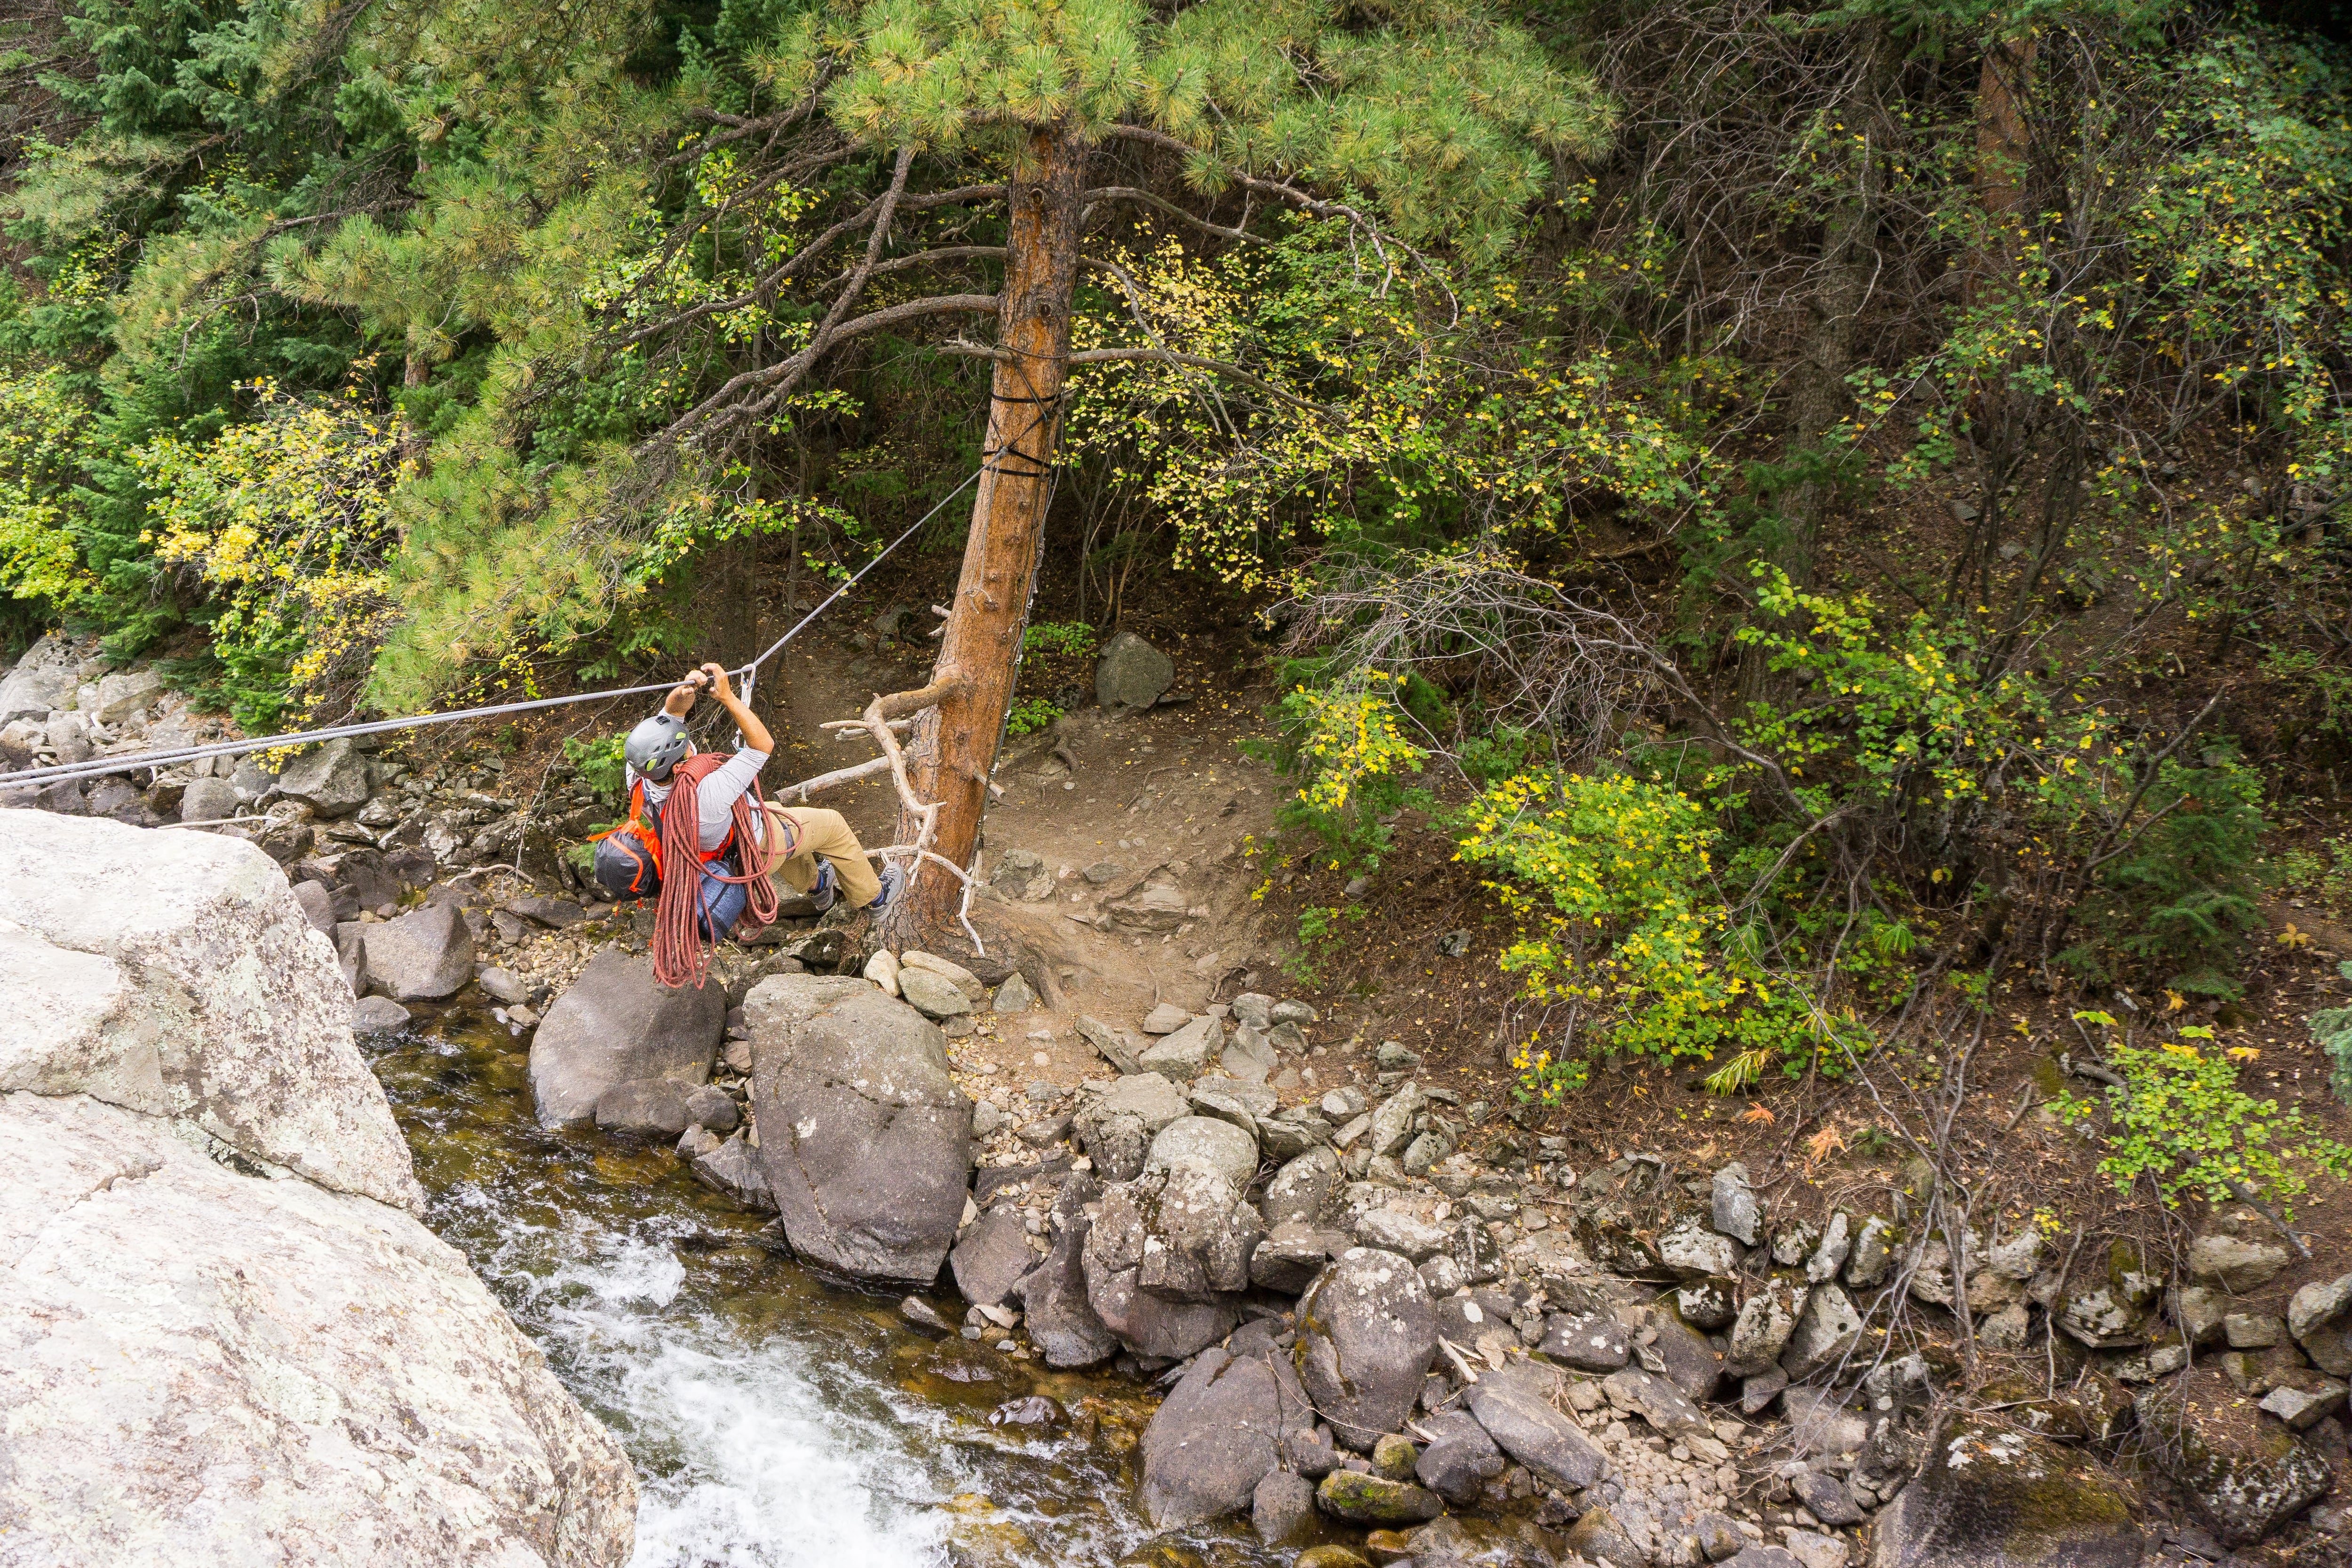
point(776, 1421)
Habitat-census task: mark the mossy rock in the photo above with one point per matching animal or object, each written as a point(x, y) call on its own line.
point(1994, 1497)
point(1375, 1499)
point(2246, 1473)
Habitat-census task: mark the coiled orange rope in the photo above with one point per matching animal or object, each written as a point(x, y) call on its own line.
point(680, 959)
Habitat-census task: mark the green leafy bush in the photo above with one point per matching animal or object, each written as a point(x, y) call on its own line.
point(1075, 639)
point(600, 764)
point(1029, 715)
point(2332, 1029)
point(1342, 742)
point(2181, 1120)
point(2176, 907)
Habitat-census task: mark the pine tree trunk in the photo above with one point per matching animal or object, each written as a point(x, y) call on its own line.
point(954, 745)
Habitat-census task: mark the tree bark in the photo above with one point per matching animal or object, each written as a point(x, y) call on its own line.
point(955, 744)
point(2004, 145)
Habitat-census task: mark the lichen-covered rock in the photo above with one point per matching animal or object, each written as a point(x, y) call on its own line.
point(1990, 1497)
point(1767, 1319)
point(1827, 1328)
point(2244, 1472)
point(1186, 1319)
point(173, 975)
point(1366, 1337)
point(865, 1139)
point(1588, 1342)
point(262, 1371)
point(1734, 1209)
point(1115, 1128)
point(1060, 1320)
point(617, 1024)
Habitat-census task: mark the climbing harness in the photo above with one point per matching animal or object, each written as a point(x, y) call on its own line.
point(99, 768)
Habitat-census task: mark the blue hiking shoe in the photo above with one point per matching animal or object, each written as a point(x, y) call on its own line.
point(823, 894)
point(893, 880)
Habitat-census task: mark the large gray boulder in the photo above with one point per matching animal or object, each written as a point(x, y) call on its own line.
point(2247, 1474)
point(1513, 1404)
point(423, 955)
point(1130, 673)
point(173, 975)
point(1217, 1435)
point(171, 1323)
point(866, 1138)
point(1187, 1310)
point(1061, 1321)
point(1992, 1496)
point(613, 1024)
point(1367, 1335)
point(42, 682)
point(331, 781)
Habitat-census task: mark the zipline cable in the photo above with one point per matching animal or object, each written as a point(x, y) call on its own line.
point(98, 768)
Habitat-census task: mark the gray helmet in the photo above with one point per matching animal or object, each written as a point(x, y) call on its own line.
point(655, 747)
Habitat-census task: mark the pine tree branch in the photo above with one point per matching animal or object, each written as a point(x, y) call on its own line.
point(1129, 193)
point(790, 372)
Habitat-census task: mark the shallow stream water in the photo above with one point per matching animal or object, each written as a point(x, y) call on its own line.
point(776, 1420)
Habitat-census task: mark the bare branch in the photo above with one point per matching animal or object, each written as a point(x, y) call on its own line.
point(1129, 193)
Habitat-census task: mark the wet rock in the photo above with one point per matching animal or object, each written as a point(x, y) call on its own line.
point(425, 956)
point(733, 1168)
point(1361, 1498)
point(1767, 1320)
point(645, 1106)
point(934, 996)
point(1212, 1441)
point(1061, 1321)
point(1186, 1053)
point(1130, 673)
point(990, 1256)
point(1460, 1459)
point(1513, 1404)
point(1366, 1335)
point(1282, 1507)
point(1588, 1342)
point(864, 1135)
point(369, 1396)
point(1116, 1127)
point(331, 781)
point(175, 975)
point(1990, 1497)
point(2245, 1474)
point(1024, 876)
point(1736, 1212)
point(613, 1024)
point(1331, 1557)
point(377, 1015)
point(920, 1315)
point(2319, 1316)
point(1827, 1328)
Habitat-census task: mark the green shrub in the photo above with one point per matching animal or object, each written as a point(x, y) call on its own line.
point(1074, 638)
point(1029, 715)
point(2331, 1028)
point(2176, 907)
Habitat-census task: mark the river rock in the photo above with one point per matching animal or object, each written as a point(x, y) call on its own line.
point(1588, 1342)
point(1366, 1335)
point(207, 801)
point(2245, 1473)
point(377, 1015)
point(2319, 1316)
point(172, 1323)
point(1282, 1507)
point(1375, 1500)
point(1216, 1436)
point(616, 1023)
point(42, 682)
point(1117, 1126)
point(425, 956)
point(733, 1168)
point(1184, 1054)
point(1992, 1496)
point(865, 1139)
point(332, 781)
point(992, 1255)
point(644, 1106)
point(1460, 1459)
point(1061, 1321)
point(1130, 673)
point(173, 975)
point(1513, 1404)
point(935, 996)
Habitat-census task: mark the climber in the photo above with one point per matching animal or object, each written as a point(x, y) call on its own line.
point(810, 849)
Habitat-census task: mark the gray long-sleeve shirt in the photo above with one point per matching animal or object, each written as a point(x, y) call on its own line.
point(714, 798)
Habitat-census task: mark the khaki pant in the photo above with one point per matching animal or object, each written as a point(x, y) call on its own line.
point(805, 833)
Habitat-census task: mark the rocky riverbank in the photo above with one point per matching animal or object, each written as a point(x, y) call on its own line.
point(1383, 1334)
